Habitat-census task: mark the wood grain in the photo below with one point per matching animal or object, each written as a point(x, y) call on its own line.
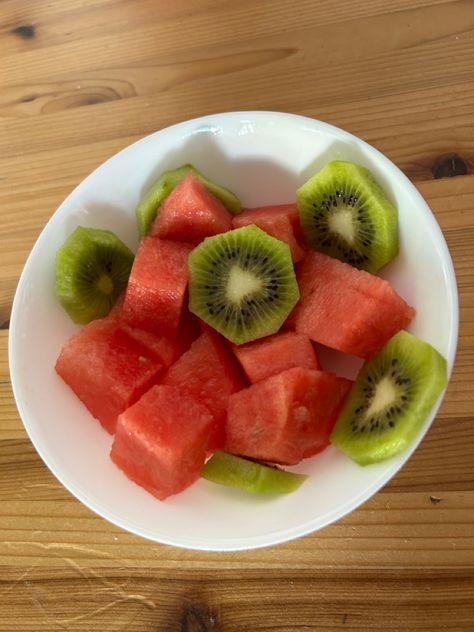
point(81, 79)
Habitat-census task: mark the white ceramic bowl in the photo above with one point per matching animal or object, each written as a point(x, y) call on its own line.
point(263, 157)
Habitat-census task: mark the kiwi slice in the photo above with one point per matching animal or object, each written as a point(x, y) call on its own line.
point(92, 270)
point(235, 471)
point(345, 214)
point(390, 400)
point(148, 206)
point(242, 283)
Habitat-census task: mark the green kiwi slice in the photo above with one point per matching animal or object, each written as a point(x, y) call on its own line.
point(92, 270)
point(242, 283)
point(148, 206)
point(346, 214)
point(235, 471)
point(390, 400)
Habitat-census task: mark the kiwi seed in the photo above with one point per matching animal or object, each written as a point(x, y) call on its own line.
point(242, 283)
point(345, 214)
point(390, 400)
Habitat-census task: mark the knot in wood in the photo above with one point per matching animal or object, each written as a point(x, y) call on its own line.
point(448, 166)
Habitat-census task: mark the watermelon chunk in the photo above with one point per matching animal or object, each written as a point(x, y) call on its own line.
point(190, 213)
point(327, 399)
point(208, 373)
point(161, 441)
point(107, 368)
point(157, 286)
point(345, 308)
point(274, 354)
point(166, 348)
point(285, 417)
point(189, 329)
point(278, 221)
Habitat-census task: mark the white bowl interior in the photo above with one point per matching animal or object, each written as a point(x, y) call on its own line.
point(263, 157)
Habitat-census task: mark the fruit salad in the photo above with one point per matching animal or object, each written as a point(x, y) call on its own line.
point(199, 354)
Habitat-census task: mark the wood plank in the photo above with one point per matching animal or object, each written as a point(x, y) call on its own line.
point(241, 601)
point(244, 75)
point(137, 116)
point(391, 531)
point(63, 22)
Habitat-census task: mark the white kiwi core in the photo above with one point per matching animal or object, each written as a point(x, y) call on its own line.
point(241, 283)
point(342, 223)
point(386, 394)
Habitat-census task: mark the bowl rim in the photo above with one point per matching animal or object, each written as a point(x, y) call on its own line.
point(285, 535)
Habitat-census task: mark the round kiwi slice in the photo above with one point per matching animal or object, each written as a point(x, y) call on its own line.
point(390, 400)
point(235, 471)
point(345, 214)
point(242, 283)
point(92, 270)
point(148, 206)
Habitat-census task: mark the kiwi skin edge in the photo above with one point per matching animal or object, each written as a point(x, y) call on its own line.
point(427, 371)
point(235, 471)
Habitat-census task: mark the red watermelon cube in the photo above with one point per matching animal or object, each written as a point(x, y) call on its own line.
point(209, 373)
point(274, 354)
point(191, 213)
point(161, 441)
point(326, 401)
point(107, 368)
point(278, 221)
point(345, 308)
point(117, 307)
point(157, 286)
point(167, 348)
point(189, 329)
point(285, 417)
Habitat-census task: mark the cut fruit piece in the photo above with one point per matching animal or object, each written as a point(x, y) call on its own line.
point(189, 329)
point(234, 471)
point(285, 417)
point(390, 400)
point(161, 441)
point(147, 209)
point(107, 368)
point(209, 373)
point(92, 270)
point(242, 283)
point(347, 309)
point(330, 393)
point(277, 221)
point(274, 354)
point(157, 286)
point(166, 348)
point(347, 215)
point(191, 213)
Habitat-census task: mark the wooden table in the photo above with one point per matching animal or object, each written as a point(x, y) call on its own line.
point(81, 79)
